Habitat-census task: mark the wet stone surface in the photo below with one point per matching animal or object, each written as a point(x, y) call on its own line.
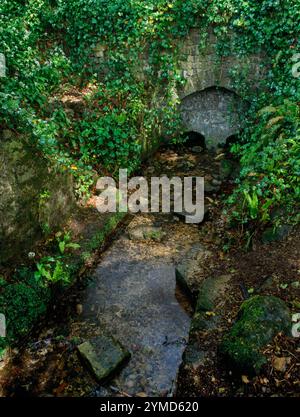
point(135, 300)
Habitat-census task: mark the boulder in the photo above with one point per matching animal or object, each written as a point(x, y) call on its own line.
point(260, 319)
point(276, 235)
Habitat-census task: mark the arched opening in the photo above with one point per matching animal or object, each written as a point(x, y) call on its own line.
point(215, 113)
point(194, 139)
point(231, 140)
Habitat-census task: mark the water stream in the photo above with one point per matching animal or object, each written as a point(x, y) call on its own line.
point(133, 297)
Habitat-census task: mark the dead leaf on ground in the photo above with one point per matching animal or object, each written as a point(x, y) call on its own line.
point(245, 379)
point(280, 364)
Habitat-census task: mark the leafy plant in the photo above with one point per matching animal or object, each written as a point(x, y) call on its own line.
point(22, 300)
point(252, 202)
point(54, 269)
point(64, 242)
point(269, 182)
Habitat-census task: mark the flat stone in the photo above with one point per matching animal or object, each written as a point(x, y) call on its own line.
point(210, 291)
point(151, 323)
point(197, 149)
point(143, 232)
point(187, 271)
point(103, 356)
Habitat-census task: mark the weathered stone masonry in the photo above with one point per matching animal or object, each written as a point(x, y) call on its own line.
point(210, 102)
point(33, 195)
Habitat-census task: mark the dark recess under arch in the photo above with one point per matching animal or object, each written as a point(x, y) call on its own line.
point(195, 139)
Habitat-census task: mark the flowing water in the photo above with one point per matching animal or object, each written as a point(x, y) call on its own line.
point(133, 297)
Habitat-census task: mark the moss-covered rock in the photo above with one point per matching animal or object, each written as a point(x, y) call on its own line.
point(259, 320)
point(276, 235)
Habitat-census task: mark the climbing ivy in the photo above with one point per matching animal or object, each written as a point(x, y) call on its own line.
point(50, 44)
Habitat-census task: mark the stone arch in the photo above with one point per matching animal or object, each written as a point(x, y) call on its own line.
point(203, 67)
point(215, 113)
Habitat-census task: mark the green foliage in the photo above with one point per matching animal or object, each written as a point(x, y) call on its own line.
point(107, 135)
point(50, 48)
point(65, 243)
point(25, 297)
point(269, 186)
point(267, 191)
point(55, 269)
point(22, 301)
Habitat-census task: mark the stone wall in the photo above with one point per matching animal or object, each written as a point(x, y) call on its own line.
point(204, 68)
point(210, 100)
point(215, 113)
point(33, 196)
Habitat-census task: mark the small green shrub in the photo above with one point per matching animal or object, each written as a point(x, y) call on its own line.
point(268, 190)
point(23, 301)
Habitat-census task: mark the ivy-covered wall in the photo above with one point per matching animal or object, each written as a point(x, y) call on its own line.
point(35, 198)
point(130, 62)
point(203, 67)
point(209, 96)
